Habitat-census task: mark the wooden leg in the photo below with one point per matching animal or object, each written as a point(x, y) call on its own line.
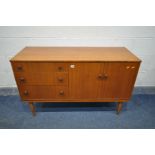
point(32, 108)
point(119, 107)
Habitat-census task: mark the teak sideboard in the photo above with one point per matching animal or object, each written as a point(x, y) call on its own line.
point(75, 74)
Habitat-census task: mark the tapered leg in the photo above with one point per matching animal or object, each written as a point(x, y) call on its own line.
point(32, 108)
point(119, 107)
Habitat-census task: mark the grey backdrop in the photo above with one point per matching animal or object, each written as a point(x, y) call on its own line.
point(140, 40)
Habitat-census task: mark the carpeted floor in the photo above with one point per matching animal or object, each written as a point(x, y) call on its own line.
point(139, 113)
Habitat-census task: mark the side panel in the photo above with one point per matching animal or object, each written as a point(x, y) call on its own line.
point(129, 74)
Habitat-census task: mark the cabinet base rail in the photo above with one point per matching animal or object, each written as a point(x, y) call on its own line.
point(33, 108)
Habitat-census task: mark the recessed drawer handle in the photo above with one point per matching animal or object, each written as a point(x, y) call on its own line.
point(60, 68)
point(22, 79)
point(19, 68)
point(61, 92)
point(60, 79)
point(26, 93)
point(102, 76)
point(105, 76)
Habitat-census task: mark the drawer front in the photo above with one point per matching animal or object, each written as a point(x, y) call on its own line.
point(32, 67)
point(41, 78)
point(37, 92)
point(43, 92)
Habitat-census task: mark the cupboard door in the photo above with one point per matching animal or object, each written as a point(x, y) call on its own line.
point(120, 80)
point(84, 82)
point(111, 83)
point(109, 80)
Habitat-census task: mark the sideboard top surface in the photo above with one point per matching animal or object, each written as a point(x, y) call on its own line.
point(75, 54)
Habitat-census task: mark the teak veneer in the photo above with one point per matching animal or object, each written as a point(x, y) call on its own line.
point(75, 74)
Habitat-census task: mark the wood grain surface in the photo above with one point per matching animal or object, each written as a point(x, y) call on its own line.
point(75, 54)
point(75, 74)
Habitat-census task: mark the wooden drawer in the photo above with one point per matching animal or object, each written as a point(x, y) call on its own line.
point(32, 67)
point(41, 78)
point(43, 92)
point(37, 92)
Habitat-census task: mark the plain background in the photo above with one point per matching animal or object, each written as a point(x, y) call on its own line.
point(139, 40)
point(77, 13)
